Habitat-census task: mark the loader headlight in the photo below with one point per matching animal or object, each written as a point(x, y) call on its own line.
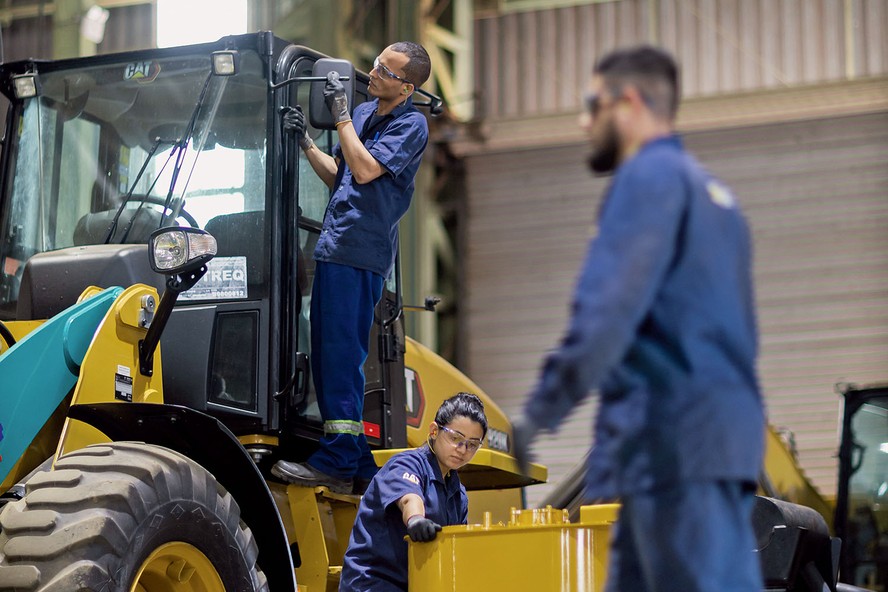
point(26, 85)
point(225, 62)
point(176, 250)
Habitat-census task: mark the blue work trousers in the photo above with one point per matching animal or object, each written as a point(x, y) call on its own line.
point(693, 537)
point(342, 303)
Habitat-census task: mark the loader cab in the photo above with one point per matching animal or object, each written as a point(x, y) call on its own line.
point(101, 151)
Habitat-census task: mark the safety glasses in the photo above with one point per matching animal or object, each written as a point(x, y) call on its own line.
point(458, 440)
point(380, 67)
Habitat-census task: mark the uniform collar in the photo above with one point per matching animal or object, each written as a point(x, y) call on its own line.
point(432, 460)
point(397, 111)
point(673, 140)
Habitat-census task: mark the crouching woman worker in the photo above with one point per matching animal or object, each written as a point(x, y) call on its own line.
point(414, 494)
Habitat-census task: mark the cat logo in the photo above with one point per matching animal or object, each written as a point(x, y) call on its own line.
point(410, 477)
point(720, 195)
point(142, 72)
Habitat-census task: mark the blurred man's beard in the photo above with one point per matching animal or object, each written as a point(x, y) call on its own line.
point(604, 158)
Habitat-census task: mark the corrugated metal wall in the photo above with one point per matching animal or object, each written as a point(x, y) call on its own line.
point(531, 63)
point(816, 194)
point(529, 217)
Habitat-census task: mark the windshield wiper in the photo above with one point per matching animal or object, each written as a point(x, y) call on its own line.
point(182, 146)
point(132, 220)
point(112, 228)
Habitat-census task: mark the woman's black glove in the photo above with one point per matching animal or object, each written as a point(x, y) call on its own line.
point(421, 529)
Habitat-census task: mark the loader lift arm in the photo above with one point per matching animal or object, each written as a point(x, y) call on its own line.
point(57, 349)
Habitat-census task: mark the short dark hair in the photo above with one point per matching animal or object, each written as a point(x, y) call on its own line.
point(462, 405)
point(650, 69)
point(419, 65)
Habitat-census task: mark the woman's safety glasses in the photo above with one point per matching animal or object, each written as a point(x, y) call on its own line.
point(458, 440)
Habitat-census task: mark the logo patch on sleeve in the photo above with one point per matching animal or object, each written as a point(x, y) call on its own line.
point(720, 195)
point(410, 477)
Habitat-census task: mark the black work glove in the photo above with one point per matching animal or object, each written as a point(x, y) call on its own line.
point(334, 96)
point(421, 529)
point(294, 123)
point(523, 434)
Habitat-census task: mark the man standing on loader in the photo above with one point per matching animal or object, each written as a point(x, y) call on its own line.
point(371, 178)
point(663, 325)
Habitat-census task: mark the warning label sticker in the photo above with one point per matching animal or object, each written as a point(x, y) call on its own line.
point(123, 384)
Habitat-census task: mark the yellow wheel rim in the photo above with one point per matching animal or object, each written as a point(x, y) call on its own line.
point(177, 567)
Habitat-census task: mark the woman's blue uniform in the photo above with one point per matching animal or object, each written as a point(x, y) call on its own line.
point(376, 560)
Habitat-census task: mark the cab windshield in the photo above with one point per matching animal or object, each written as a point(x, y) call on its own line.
point(109, 153)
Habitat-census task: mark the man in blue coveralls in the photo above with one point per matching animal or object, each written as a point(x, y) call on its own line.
point(663, 324)
point(371, 178)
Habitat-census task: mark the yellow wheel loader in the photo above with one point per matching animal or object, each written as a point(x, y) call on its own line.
point(156, 231)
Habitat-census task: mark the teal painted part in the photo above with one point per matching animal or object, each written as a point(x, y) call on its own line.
point(38, 372)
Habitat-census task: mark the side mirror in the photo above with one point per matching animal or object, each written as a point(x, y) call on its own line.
point(318, 114)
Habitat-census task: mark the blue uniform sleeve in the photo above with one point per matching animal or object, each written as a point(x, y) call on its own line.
point(402, 140)
point(621, 274)
point(464, 502)
point(359, 117)
point(404, 476)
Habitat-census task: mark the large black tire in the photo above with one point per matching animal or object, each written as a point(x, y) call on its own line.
point(126, 517)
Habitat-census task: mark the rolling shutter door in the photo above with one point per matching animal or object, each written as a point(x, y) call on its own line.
point(529, 219)
point(816, 194)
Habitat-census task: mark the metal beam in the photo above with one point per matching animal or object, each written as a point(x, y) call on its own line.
point(451, 51)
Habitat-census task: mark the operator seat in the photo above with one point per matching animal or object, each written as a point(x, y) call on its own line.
point(243, 234)
point(134, 225)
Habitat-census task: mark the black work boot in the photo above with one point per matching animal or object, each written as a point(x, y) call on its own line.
point(307, 476)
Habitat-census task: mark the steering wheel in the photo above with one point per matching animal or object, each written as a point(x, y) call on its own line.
point(7, 336)
point(160, 201)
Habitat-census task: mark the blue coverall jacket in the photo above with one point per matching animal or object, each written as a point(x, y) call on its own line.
point(361, 222)
point(663, 325)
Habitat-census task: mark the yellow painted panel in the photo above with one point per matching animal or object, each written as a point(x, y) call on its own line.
point(309, 532)
point(440, 380)
point(786, 479)
point(537, 550)
point(18, 329)
point(112, 357)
